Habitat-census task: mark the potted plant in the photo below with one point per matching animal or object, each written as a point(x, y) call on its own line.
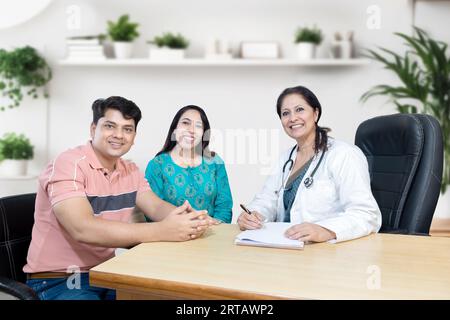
point(307, 39)
point(424, 74)
point(122, 33)
point(15, 150)
point(168, 47)
point(22, 69)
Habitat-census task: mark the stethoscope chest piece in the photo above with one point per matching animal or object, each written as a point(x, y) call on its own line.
point(308, 182)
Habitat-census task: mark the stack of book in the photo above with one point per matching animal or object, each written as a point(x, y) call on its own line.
point(84, 48)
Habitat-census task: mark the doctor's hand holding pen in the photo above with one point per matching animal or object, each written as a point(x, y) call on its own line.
point(249, 220)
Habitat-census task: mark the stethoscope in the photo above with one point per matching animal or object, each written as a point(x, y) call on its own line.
point(308, 182)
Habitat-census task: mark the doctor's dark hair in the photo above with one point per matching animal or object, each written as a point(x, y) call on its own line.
point(127, 108)
point(321, 143)
point(171, 142)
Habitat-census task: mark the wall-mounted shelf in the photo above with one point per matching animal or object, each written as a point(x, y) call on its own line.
point(216, 63)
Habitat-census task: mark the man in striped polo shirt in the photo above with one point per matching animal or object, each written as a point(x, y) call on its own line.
point(84, 204)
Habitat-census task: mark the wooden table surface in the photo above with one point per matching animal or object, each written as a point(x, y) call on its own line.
point(379, 266)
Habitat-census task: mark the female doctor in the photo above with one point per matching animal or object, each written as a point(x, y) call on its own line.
point(320, 185)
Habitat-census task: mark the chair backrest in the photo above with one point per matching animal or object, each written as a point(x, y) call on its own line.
point(16, 224)
point(405, 156)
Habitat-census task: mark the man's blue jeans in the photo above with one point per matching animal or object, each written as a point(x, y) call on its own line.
point(69, 289)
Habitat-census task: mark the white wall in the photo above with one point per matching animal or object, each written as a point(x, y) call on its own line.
point(233, 97)
point(434, 17)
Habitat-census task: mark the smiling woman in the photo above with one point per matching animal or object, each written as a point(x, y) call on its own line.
point(15, 12)
point(321, 185)
point(185, 168)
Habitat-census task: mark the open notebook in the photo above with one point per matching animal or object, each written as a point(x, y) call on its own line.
point(271, 235)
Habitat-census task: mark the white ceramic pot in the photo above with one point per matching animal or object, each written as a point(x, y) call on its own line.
point(123, 50)
point(166, 54)
point(13, 168)
point(306, 50)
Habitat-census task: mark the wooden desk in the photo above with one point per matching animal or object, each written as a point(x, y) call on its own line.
point(409, 267)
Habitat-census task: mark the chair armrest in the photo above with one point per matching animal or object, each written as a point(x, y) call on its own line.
point(17, 289)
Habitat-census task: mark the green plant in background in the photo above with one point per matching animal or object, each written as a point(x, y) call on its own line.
point(15, 147)
point(170, 40)
point(123, 29)
point(19, 68)
point(424, 72)
point(305, 34)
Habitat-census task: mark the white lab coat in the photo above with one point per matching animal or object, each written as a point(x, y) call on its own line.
point(340, 199)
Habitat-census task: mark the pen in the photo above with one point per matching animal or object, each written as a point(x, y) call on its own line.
point(245, 209)
point(249, 212)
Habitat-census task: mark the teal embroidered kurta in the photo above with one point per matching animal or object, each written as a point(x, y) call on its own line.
point(206, 186)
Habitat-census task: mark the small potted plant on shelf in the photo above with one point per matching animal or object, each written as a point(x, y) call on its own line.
point(168, 47)
point(22, 71)
point(122, 33)
point(307, 39)
point(15, 150)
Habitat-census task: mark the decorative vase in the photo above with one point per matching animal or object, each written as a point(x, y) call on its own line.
point(123, 50)
point(343, 49)
point(306, 50)
point(13, 168)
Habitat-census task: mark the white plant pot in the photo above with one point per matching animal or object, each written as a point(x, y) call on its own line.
point(123, 50)
point(13, 168)
point(306, 50)
point(166, 54)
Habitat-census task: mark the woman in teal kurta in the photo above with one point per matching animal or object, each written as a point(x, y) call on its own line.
point(185, 169)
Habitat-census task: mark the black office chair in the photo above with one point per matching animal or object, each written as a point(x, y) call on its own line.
point(16, 224)
point(405, 156)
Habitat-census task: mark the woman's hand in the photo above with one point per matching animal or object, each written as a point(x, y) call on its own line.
point(250, 221)
point(309, 232)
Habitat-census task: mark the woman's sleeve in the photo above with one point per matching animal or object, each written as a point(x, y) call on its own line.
point(224, 202)
point(153, 174)
point(359, 214)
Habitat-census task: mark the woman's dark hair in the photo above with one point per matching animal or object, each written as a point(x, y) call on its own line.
point(321, 142)
point(127, 107)
point(171, 141)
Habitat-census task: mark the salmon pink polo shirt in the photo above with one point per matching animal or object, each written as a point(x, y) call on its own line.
point(78, 173)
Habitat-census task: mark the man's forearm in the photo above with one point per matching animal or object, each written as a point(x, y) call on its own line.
point(115, 234)
point(152, 206)
point(161, 210)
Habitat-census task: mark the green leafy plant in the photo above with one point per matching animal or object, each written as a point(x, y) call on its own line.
point(20, 68)
point(424, 72)
point(305, 34)
point(170, 40)
point(15, 147)
point(123, 29)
